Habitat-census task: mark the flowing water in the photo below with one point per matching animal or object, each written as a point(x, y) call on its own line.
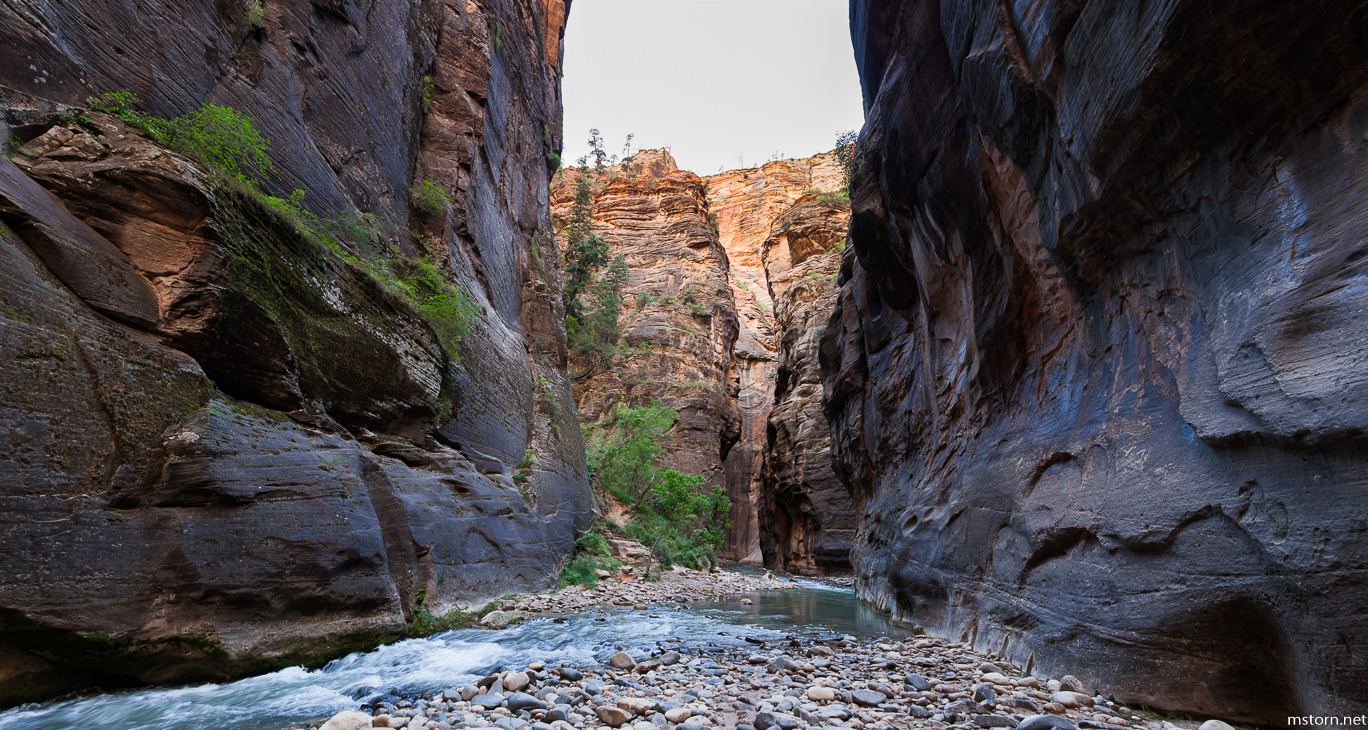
point(452, 658)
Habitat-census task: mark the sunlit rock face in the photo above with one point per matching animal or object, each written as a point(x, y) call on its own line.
point(226, 448)
point(1096, 371)
point(712, 260)
point(679, 323)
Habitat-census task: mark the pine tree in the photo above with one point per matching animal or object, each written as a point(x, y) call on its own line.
point(585, 252)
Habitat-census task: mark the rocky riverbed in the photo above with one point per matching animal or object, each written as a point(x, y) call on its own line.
point(804, 680)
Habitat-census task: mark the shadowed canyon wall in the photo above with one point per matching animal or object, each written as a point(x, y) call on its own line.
point(1096, 373)
point(227, 446)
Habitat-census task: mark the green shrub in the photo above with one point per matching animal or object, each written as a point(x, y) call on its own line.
point(256, 15)
point(592, 543)
point(221, 137)
point(644, 298)
point(672, 513)
point(836, 198)
point(432, 199)
point(688, 296)
point(429, 85)
point(699, 310)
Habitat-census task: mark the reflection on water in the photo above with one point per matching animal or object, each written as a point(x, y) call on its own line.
point(834, 610)
point(455, 657)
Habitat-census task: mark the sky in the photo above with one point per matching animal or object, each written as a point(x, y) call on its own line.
point(724, 84)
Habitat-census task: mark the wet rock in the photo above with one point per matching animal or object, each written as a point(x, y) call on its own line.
point(994, 721)
point(869, 698)
point(518, 702)
point(621, 660)
point(1045, 722)
point(917, 682)
point(488, 702)
point(670, 658)
point(502, 619)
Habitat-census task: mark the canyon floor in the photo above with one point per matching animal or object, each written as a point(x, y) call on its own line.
point(804, 680)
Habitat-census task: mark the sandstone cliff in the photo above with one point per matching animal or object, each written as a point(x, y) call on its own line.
point(807, 515)
point(756, 210)
point(229, 446)
point(680, 319)
point(1096, 366)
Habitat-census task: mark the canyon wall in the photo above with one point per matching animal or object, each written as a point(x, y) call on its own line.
point(679, 321)
point(807, 514)
point(758, 212)
point(1096, 369)
point(712, 261)
point(234, 435)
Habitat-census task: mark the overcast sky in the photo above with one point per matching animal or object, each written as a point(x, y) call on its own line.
point(713, 80)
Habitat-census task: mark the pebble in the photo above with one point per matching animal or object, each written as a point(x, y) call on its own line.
point(821, 694)
point(1045, 722)
point(347, 720)
point(1071, 699)
point(612, 716)
point(1215, 725)
point(621, 660)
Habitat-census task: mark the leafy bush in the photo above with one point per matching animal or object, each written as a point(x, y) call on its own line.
point(644, 298)
point(221, 137)
point(673, 513)
point(836, 198)
point(591, 554)
point(432, 199)
point(699, 310)
point(256, 15)
point(429, 85)
point(592, 543)
point(688, 296)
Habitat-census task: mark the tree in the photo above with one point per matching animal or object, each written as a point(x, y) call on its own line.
point(596, 148)
point(596, 331)
point(585, 253)
point(849, 155)
point(675, 514)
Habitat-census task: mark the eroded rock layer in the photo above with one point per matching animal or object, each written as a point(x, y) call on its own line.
point(1097, 366)
point(753, 208)
point(226, 445)
point(807, 514)
point(679, 323)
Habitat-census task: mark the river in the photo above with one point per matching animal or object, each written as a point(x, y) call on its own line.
point(285, 697)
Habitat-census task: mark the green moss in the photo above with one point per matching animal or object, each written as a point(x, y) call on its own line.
point(283, 266)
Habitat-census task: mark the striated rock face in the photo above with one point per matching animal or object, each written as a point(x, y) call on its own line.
point(750, 207)
point(227, 446)
point(1096, 367)
point(680, 319)
point(807, 514)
